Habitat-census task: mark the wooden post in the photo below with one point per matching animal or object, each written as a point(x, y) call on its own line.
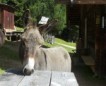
point(81, 31)
point(100, 47)
point(85, 34)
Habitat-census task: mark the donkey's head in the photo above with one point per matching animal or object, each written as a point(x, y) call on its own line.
point(31, 40)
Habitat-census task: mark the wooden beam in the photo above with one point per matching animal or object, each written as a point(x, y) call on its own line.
point(90, 2)
point(81, 1)
point(62, 1)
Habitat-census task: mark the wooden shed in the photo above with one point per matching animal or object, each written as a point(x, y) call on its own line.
point(7, 22)
point(6, 18)
point(90, 15)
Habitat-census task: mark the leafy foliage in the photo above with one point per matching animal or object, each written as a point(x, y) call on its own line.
point(38, 8)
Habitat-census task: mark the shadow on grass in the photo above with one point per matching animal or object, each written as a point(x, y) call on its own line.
point(15, 71)
point(9, 56)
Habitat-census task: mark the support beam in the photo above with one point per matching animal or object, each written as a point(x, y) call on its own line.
point(81, 1)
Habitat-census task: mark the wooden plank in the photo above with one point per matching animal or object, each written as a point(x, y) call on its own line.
point(38, 78)
point(11, 78)
point(63, 79)
point(81, 1)
point(88, 60)
point(90, 2)
point(63, 1)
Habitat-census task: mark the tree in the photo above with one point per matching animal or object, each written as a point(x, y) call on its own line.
point(60, 14)
point(3, 1)
point(39, 8)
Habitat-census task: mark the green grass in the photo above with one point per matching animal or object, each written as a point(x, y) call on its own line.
point(8, 55)
point(70, 50)
point(19, 29)
point(8, 51)
point(64, 42)
point(2, 71)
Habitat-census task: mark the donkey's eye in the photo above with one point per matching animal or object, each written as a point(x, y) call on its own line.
point(25, 40)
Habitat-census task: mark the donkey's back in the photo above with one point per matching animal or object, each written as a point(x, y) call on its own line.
point(58, 59)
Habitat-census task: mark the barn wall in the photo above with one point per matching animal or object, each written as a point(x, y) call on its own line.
point(100, 45)
point(95, 37)
point(8, 20)
point(1, 17)
point(92, 37)
point(91, 23)
point(7, 17)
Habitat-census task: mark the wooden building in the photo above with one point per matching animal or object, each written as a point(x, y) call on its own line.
point(90, 15)
point(7, 25)
point(6, 18)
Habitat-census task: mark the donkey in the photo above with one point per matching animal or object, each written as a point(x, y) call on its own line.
point(34, 57)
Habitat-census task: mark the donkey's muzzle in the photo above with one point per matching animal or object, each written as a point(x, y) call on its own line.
point(27, 71)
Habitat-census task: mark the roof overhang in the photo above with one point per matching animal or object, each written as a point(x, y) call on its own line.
point(81, 1)
point(2, 5)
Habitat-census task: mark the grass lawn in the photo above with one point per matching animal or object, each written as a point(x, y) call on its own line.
point(8, 56)
point(64, 42)
point(19, 29)
point(1, 71)
point(9, 53)
point(57, 40)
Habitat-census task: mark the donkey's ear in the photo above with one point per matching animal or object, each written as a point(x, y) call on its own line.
point(44, 29)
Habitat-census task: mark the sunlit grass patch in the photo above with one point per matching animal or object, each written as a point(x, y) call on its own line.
point(19, 29)
point(1, 71)
point(57, 40)
point(65, 42)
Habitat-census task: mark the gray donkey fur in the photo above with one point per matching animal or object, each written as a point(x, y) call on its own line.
point(35, 57)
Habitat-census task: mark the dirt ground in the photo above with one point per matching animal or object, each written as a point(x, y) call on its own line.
point(6, 59)
point(8, 63)
point(85, 76)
